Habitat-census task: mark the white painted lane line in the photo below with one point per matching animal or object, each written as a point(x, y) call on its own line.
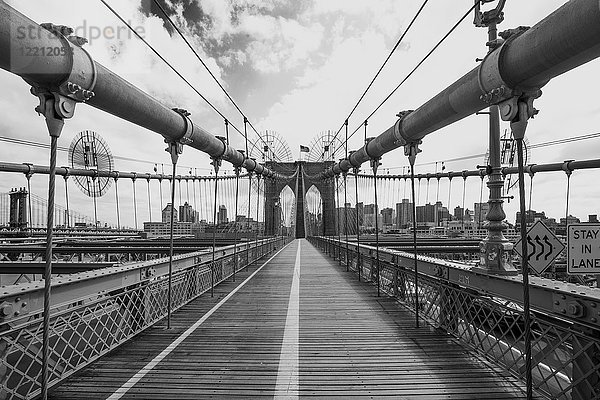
point(287, 374)
point(148, 367)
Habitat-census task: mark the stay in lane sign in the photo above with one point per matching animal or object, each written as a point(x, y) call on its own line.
point(542, 247)
point(583, 251)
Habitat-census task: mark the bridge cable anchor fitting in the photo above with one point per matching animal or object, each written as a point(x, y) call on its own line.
point(411, 150)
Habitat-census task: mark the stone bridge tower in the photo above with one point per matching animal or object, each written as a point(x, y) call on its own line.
point(304, 175)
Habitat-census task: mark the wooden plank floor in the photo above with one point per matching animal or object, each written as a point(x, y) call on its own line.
point(351, 344)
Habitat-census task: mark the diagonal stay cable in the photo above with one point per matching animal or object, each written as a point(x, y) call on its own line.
point(170, 66)
point(380, 69)
point(438, 44)
point(189, 45)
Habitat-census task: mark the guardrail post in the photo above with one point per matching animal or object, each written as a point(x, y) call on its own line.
point(174, 149)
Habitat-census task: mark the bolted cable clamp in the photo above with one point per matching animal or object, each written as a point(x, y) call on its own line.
point(411, 150)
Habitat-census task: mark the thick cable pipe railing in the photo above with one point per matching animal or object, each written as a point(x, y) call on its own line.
point(525, 62)
point(64, 171)
point(74, 77)
point(532, 169)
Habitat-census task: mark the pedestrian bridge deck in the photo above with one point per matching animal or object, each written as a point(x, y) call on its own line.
point(297, 326)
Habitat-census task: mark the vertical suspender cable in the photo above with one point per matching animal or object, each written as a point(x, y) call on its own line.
point(525, 270)
point(337, 193)
point(214, 236)
point(149, 201)
point(179, 184)
point(375, 164)
point(480, 200)
point(357, 225)
point(117, 202)
point(346, 198)
point(235, 228)
point(462, 224)
point(28, 177)
point(518, 127)
point(248, 219)
point(93, 193)
point(449, 196)
point(174, 151)
point(412, 155)
point(161, 194)
point(257, 209)
point(48, 268)
point(196, 218)
point(346, 218)
point(68, 216)
point(134, 203)
point(530, 189)
point(568, 172)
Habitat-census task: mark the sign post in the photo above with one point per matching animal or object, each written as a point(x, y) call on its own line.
point(583, 251)
point(542, 247)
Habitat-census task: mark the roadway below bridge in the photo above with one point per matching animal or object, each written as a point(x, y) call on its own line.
point(298, 325)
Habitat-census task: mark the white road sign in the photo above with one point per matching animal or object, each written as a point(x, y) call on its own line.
point(583, 249)
point(542, 247)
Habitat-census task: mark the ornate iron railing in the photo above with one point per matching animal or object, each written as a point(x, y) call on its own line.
point(95, 312)
point(483, 312)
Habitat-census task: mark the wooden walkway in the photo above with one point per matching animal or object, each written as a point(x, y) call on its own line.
point(300, 327)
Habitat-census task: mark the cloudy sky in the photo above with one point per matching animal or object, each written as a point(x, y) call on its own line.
point(297, 67)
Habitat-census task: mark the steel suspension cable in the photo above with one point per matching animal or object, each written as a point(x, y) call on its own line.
point(415, 225)
point(134, 206)
point(438, 44)
point(216, 164)
point(345, 175)
point(189, 45)
point(358, 267)
point(235, 229)
point(48, 266)
point(68, 219)
point(149, 201)
point(95, 203)
point(174, 151)
point(117, 203)
point(398, 42)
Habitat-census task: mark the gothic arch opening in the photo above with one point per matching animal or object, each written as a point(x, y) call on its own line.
point(314, 212)
point(287, 211)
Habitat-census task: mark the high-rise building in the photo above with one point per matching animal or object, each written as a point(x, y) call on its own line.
point(442, 214)
point(387, 215)
point(369, 215)
point(481, 210)
point(222, 215)
point(166, 214)
point(459, 213)
point(347, 219)
point(404, 214)
point(361, 213)
point(187, 213)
